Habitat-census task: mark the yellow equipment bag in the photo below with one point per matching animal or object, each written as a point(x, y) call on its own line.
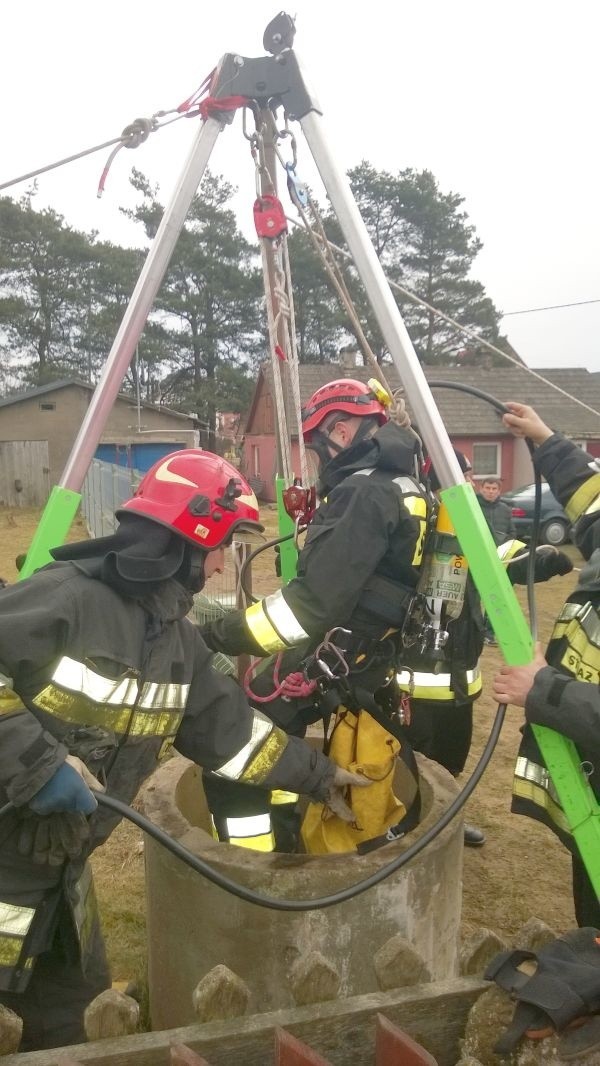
point(359, 744)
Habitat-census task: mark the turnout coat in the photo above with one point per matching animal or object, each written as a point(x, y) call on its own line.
point(117, 680)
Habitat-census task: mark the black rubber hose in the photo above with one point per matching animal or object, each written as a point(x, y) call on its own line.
point(261, 548)
point(321, 902)
point(503, 409)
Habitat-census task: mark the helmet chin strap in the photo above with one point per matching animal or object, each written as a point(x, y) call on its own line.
point(320, 443)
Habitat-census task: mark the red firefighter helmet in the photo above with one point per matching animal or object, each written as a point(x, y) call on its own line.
point(198, 495)
point(347, 395)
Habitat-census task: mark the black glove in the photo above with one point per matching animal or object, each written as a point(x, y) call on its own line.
point(552, 564)
point(548, 564)
point(52, 838)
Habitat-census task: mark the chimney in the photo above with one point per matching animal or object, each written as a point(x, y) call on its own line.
point(348, 357)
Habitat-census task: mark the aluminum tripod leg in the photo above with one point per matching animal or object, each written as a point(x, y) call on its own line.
point(64, 498)
point(139, 307)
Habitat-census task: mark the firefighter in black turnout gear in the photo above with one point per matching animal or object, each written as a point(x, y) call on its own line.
point(561, 690)
point(357, 570)
point(102, 667)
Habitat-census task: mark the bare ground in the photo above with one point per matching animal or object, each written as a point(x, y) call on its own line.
point(521, 871)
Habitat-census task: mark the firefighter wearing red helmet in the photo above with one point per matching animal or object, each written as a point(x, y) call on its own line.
point(102, 673)
point(357, 570)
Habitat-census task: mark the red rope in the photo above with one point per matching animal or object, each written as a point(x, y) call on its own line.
point(294, 686)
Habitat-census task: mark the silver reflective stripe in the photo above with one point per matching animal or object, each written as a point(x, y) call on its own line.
point(261, 727)
point(82, 889)
point(120, 692)
point(76, 677)
point(418, 678)
point(408, 485)
point(590, 623)
point(570, 611)
point(163, 697)
point(15, 920)
point(283, 618)
point(594, 506)
point(252, 826)
point(538, 775)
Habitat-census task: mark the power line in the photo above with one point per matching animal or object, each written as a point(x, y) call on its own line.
point(551, 307)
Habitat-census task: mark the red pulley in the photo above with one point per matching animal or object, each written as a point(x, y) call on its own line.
point(269, 217)
point(300, 503)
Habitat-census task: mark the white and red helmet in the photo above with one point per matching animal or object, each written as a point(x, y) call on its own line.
point(348, 396)
point(198, 495)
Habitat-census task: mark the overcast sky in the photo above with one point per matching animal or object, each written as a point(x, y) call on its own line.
point(499, 100)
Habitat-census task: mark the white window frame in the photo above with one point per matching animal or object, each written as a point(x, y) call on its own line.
point(481, 474)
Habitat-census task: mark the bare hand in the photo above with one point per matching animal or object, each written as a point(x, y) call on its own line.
point(523, 421)
point(513, 683)
point(335, 798)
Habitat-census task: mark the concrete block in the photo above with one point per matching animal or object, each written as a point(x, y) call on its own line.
point(532, 936)
point(479, 949)
point(112, 1013)
point(220, 995)
point(398, 965)
point(313, 979)
point(11, 1028)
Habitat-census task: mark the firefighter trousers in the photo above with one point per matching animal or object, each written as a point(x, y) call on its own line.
point(53, 1004)
point(442, 732)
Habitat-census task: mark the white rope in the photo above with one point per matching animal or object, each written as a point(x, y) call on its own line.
point(462, 329)
point(283, 435)
point(294, 362)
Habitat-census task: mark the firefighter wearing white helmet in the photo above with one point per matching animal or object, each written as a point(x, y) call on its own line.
point(103, 673)
point(357, 570)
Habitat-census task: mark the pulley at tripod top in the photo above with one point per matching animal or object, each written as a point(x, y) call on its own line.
point(279, 34)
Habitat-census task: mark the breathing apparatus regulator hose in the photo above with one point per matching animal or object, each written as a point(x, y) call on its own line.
point(358, 887)
point(253, 555)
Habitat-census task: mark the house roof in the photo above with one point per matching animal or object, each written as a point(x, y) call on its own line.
point(466, 415)
point(65, 383)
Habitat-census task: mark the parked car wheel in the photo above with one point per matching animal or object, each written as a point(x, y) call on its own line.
point(555, 532)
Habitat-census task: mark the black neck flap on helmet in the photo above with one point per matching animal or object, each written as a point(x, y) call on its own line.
point(137, 558)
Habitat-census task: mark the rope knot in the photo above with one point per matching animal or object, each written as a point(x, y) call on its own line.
point(136, 132)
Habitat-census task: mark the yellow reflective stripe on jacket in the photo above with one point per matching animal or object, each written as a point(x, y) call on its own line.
point(279, 798)
point(234, 767)
point(266, 758)
point(417, 506)
point(79, 694)
point(510, 548)
point(585, 500)
point(581, 633)
point(10, 703)
point(273, 624)
point(415, 502)
point(430, 686)
point(253, 831)
point(533, 782)
point(15, 923)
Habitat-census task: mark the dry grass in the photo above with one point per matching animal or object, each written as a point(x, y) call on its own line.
point(521, 871)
